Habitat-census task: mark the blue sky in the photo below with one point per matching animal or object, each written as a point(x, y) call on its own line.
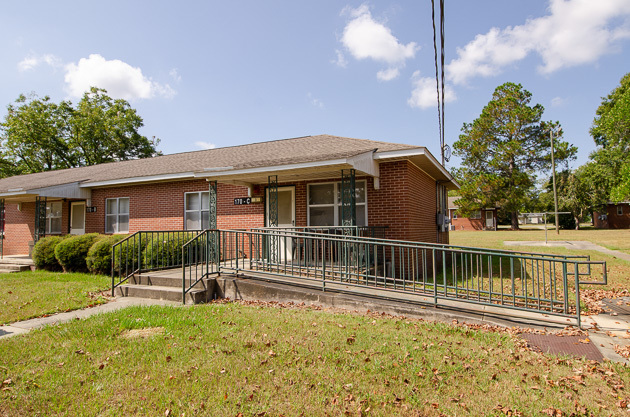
point(205, 74)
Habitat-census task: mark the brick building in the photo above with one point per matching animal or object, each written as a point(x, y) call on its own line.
point(616, 216)
point(399, 186)
point(483, 219)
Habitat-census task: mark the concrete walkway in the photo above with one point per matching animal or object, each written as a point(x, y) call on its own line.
point(571, 244)
point(22, 327)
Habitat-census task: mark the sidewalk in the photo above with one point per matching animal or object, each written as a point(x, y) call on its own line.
point(571, 244)
point(22, 327)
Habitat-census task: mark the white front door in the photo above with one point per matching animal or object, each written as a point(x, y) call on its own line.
point(286, 219)
point(490, 219)
point(77, 218)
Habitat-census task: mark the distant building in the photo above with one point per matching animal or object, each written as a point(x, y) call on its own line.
point(483, 219)
point(615, 216)
point(531, 218)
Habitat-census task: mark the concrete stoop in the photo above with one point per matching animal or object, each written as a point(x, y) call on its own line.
point(156, 287)
point(8, 265)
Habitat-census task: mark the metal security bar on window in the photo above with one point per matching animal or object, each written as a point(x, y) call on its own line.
point(212, 205)
point(2, 223)
point(348, 198)
point(40, 218)
point(274, 243)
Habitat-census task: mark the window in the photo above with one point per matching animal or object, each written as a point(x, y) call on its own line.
point(454, 215)
point(196, 207)
point(117, 215)
point(53, 218)
point(324, 204)
point(619, 210)
point(476, 214)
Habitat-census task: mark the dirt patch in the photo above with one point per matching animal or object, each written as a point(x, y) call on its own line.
point(142, 333)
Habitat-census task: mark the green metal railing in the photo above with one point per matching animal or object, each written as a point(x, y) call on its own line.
point(334, 257)
point(377, 232)
point(147, 251)
point(543, 283)
point(201, 256)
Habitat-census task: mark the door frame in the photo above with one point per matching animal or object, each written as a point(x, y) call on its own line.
point(491, 212)
point(74, 204)
point(280, 188)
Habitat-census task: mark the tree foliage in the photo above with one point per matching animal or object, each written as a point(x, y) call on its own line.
point(40, 135)
point(574, 194)
point(503, 149)
point(609, 168)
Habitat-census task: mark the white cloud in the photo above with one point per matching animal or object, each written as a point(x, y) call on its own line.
point(205, 145)
point(341, 59)
point(558, 102)
point(315, 101)
point(575, 32)
point(120, 79)
point(32, 61)
point(175, 75)
point(424, 94)
point(365, 38)
point(388, 74)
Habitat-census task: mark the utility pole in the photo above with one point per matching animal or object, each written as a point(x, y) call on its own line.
point(553, 170)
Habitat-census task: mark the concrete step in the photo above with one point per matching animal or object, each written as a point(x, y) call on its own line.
point(19, 260)
point(8, 268)
point(161, 281)
point(156, 292)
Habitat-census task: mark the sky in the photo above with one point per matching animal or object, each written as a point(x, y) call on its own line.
point(223, 73)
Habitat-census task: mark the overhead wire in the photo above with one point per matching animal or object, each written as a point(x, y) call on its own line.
point(439, 78)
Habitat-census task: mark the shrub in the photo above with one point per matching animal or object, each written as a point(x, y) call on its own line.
point(165, 250)
point(99, 257)
point(44, 253)
point(71, 252)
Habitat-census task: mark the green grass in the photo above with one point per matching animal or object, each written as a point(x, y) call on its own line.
point(618, 270)
point(226, 359)
point(25, 295)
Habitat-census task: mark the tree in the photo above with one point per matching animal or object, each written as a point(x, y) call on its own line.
point(39, 135)
point(34, 136)
point(106, 130)
point(503, 149)
point(574, 194)
point(609, 168)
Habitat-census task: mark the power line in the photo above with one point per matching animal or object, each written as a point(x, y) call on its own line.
point(439, 80)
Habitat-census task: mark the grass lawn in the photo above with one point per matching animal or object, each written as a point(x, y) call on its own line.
point(225, 359)
point(25, 295)
point(618, 270)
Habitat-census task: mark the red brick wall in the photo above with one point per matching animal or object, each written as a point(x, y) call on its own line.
point(465, 223)
point(160, 206)
point(405, 201)
point(614, 220)
point(19, 227)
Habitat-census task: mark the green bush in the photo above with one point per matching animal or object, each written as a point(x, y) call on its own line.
point(72, 252)
point(99, 257)
point(165, 250)
point(44, 253)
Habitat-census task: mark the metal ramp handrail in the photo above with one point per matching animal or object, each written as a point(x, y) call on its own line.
point(201, 256)
point(513, 280)
point(147, 250)
point(583, 259)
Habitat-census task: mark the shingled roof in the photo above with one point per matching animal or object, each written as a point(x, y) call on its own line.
point(272, 153)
